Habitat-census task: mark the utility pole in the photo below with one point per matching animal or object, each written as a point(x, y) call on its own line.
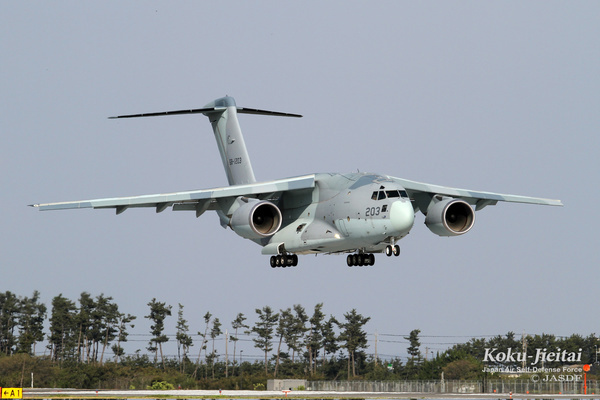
point(226, 354)
point(376, 338)
point(524, 350)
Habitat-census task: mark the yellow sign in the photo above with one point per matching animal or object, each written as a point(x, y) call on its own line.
point(11, 393)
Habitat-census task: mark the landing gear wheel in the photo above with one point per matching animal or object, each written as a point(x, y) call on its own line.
point(284, 260)
point(388, 250)
point(371, 258)
point(359, 260)
point(396, 250)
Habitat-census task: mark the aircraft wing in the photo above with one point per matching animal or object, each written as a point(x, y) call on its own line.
point(198, 200)
point(422, 193)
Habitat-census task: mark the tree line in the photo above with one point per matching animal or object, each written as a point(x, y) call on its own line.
point(296, 343)
point(83, 332)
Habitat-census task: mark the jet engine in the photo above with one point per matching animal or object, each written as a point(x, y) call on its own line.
point(450, 217)
point(256, 219)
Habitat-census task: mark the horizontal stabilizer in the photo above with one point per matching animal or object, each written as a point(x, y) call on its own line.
point(157, 114)
point(242, 110)
point(208, 110)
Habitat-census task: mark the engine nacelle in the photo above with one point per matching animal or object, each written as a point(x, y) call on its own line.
point(256, 219)
point(450, 217)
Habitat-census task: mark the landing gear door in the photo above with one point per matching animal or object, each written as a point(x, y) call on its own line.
point(341, 225)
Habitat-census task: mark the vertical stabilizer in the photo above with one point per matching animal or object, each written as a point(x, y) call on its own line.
point(230, 141)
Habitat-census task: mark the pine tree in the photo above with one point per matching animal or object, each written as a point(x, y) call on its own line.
point(214, 333)
point(264, 329)
point(330, 340)
point(87, 305)
point(63, 328)
point(284, 328)
point(31, 323)
point(158, 313)
point(9, 313)
point(124, 321)
point(295, 336)
point(236, 324)
point(353, 336)
point(204, 336)
point(107, 322)
point(184, 341)
point(315, 337)
point(413, 349)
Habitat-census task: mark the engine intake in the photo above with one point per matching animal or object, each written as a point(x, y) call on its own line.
point(256, 219)
point(450, 217)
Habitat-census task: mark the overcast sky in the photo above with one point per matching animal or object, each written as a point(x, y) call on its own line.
point(494, 96)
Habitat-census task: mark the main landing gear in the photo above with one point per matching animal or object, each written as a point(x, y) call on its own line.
point(360, 260)
point(389, 250)
point(284, 260)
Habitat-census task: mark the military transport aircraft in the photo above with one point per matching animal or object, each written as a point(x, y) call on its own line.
point(330, 213)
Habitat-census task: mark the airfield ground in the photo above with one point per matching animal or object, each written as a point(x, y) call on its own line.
point(252, 394)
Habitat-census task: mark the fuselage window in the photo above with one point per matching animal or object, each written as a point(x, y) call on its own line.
point(374, 196)
point(381, 195)
point(392, 194)
point(403, 193)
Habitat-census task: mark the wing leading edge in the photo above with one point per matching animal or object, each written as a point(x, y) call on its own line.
point(423, 192)
point(198, 200)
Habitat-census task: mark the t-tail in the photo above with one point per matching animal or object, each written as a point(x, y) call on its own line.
point(222, 114)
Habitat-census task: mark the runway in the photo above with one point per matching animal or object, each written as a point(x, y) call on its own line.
point(277, 394)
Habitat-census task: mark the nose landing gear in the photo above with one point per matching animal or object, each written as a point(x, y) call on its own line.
point(395, 250)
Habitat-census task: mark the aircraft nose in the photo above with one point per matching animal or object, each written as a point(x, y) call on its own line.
point(402, 216)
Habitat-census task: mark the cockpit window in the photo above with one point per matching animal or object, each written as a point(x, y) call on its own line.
point(390, 194)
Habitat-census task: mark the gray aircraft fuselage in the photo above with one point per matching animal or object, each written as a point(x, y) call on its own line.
point(343, 212)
